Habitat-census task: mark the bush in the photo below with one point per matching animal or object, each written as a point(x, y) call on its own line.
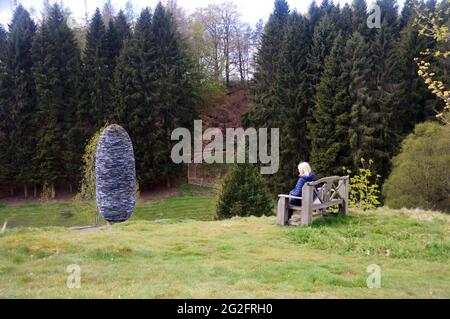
point(244, 193)
point(364, 188)
point(421, 172)
point(87, 187)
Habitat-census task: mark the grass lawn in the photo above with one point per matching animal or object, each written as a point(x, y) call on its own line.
point(237, 258)
point(191, 203)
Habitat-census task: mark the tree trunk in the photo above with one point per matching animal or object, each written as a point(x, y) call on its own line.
point(11, 191)
point(53, 191)
point(35, 190)
point(227, 61)
point(25, 191)
point(168, 182)
point(70, 188)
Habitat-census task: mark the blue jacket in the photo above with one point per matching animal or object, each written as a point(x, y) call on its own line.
point(297, 191)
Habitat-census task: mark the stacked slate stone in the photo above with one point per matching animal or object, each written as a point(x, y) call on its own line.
point(115, 175)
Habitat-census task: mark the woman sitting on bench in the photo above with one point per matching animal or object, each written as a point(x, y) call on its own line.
point(304, 171)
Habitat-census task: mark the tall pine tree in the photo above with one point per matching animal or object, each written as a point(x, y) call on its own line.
point(20, 101)
point(173, 90)
point(6, 169)
point(265, 67)
point(291, 102)
point(361, 87)
point(134, 89)
point(97, 73)
point(117, 32)
point(56, 65)
point(329, 133)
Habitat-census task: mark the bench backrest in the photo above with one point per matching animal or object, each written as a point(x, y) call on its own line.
point(328, 188)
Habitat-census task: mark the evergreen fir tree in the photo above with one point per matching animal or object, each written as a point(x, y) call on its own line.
point(134, 95)
point(407, 13)
point(411, 99)
point(265, 66)
point(344, 21)
point(123, 27)
point(97, 73)
point(291, 102)
point(364, 115)
point(21, 99)
point(154, 93)
point(56, 64)
point(117, 32)
point(324, 34)
point(329, 133)
point(386, 130)
point(6, 169)
point(244, 193)
point(359, 16)
point(172, 96)
point(314, 15)
point(113, 44)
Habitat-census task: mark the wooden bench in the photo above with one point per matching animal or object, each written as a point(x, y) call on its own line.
point(316, 196)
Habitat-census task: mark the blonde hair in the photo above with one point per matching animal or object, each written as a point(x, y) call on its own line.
point(304, 169)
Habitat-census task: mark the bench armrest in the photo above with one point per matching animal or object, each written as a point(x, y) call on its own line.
point(289, 196)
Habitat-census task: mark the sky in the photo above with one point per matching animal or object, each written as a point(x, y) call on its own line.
point(251, 10)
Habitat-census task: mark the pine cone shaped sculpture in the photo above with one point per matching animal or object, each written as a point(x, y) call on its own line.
point(115, 175)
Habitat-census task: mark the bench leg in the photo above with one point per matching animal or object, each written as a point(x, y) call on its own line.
point(343, 188)
point(282, 211)
point(307, 205)
point(306, 217)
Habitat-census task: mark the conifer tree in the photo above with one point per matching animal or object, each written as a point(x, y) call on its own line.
point(56, 64)
point(407, 13)
point(117, 32)
point(97, 73)
point(265, 66)
point(345, 21)
point(291, 112)
point(172, 98)
point(386, 133)
point(329, 133)
point(411, 99)
point(6, 173)
point(364, 114)
point(122, 26)
point(21, 98)
point(134, 91)
point(113, 44)
point(322, 41)
point(314, 15)
point(244, 193)
point(359, 16)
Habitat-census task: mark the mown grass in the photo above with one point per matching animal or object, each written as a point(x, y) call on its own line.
point(237, 258)
point(190, 203)
point(405, 234)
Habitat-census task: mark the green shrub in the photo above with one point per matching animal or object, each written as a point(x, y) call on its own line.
point(87, 188)
point(421, 172)
point(364, 188)
point(244, 193)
